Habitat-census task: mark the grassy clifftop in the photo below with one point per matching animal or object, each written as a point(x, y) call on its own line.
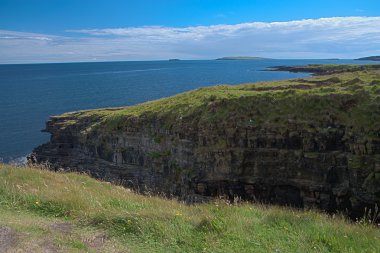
point(42, 210)
point(349, 92)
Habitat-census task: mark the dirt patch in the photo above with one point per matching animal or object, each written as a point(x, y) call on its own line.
point(96, 241)
point(49, 247)
point(8, 239)
point(64, 228)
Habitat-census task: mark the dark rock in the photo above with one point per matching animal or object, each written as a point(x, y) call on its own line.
point(323, 166)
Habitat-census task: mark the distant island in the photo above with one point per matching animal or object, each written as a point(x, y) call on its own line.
point(241, 58)
point(174, 59)
point(370, 58)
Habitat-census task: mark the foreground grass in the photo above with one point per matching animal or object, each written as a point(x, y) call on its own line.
point(32, 201)
point(31, 232)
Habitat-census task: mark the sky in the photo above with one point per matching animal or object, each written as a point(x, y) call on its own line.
point(37, 31)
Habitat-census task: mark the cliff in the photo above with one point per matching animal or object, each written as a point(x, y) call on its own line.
point(312, 143)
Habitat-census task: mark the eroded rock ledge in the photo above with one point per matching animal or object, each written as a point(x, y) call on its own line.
point(304, 142)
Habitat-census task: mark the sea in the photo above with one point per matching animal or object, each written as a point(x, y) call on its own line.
point(30, 93)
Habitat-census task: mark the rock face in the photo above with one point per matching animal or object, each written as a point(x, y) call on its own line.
point(321, 164)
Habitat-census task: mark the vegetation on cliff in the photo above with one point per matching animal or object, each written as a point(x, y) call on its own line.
point(42, 210)
point(348, 93)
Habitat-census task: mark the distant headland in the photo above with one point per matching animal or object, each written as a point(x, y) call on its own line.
point(370, 58)
point(242, 58)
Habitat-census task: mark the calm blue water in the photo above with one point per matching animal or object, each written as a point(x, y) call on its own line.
point(30, 93)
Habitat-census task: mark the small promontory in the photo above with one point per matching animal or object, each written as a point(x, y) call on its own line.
point(310, 142)
point(370, 58)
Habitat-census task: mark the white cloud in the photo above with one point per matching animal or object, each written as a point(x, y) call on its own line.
point(345, 25)
point(342, 37)
point(24, 36)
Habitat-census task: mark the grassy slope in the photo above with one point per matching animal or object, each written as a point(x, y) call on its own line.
point(34, 201)
point(309, 99)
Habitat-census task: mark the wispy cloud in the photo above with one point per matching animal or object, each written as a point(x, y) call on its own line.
point(12, 35)
point(360, 10)
point(343, 37)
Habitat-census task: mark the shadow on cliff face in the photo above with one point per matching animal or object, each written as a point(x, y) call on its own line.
point(286, 195)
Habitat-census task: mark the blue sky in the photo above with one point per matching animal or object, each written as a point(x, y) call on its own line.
point(93, 30)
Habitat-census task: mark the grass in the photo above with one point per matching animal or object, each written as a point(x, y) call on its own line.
point(41, 233)
point(323, 69)
point(350, 97)
point(32, 200)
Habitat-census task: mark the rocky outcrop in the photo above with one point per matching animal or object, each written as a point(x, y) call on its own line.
point(322, 163)
point(326, 69)
point(370, 58)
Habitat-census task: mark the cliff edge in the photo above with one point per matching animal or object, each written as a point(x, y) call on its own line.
point(312, 142)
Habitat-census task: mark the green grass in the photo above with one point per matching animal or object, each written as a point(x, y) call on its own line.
point(32, 199)
point(323, 69)
point(350, 97)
